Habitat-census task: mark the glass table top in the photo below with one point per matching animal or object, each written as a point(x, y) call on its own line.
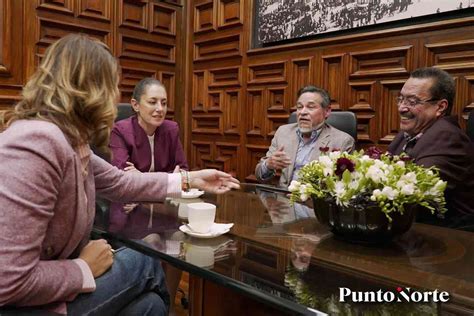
point(281, 255)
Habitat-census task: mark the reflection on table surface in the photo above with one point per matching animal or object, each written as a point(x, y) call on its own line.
point(283, 251)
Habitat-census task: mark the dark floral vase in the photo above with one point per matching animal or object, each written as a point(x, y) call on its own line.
point(367, 225)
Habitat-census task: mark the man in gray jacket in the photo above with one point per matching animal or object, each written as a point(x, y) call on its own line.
point(295, 145)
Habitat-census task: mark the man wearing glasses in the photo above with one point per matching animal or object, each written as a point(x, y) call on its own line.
point(432, 137)
point(295, 145)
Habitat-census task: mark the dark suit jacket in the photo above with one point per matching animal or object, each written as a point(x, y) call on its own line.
point(447, 147)
point(129, 142)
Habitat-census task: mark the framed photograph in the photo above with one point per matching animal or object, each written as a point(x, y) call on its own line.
point(282, 20)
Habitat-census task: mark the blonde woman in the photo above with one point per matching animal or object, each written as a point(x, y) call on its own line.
point(49, 179)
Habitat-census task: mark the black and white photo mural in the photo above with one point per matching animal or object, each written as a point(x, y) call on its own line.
point(278, 20)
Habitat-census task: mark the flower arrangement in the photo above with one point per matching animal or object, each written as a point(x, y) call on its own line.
point(363, 179)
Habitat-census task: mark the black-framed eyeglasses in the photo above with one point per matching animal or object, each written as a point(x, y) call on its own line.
point(412, 101)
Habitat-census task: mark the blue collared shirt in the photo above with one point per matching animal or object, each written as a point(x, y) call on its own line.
point(303, 153)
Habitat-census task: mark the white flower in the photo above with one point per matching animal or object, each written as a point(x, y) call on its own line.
point(375, 174)
point(294, 186)
point(440, 185)
point(303, 195)
point(389, 192)
point(326, 161)
point(401, 163)
point(328, 171)
point(365, 158)
point(334, 155)
point(375, 194)
point(340, 189)
point(437, 189)
point(410, 177)
point(354, 184)
point(380, 164)
point(407, 189)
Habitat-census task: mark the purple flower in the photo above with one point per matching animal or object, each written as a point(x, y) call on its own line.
point(374, 153)
point(342, 165)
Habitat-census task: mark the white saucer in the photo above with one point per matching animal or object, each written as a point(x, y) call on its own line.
point(191, 194)
point(216, 230)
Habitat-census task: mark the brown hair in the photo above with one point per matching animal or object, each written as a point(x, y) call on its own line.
point(75, 87)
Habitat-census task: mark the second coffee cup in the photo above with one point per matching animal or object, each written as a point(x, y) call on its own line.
point(201, 216)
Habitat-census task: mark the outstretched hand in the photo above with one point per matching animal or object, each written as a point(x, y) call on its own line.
point(213, 181)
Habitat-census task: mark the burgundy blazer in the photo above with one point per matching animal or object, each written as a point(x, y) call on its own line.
point(47, 209)
point(447, 147)
point(129, 142)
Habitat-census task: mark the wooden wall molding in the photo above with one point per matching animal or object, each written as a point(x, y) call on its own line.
point(229, 13)
point(204, 17)
point(274, 72)
point(227, 76)
point(163, 19)
point(224, 47)
point(133, 14)
point(96, 10)
point(389, 110)
point(455, 55)
point(392, 61)
point(61, 6)
point(146, 50)
point(332, 78)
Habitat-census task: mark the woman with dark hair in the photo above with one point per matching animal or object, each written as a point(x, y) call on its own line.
point(48, 188)
point(148, 142)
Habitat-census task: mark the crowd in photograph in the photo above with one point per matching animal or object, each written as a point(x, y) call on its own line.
point(286, 20)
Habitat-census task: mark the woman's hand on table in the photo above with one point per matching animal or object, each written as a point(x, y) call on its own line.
point(98, 255)
point(214, 181)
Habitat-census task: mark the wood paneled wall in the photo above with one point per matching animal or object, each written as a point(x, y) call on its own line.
point(145, 35)
point(239, 95)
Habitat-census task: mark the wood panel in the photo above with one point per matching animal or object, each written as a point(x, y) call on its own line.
point(362, 72)
point(11, 64)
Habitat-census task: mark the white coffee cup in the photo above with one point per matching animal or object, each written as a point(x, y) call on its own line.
point(201, 216)
point(200, 256)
